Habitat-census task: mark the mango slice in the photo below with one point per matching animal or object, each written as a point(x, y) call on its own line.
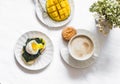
point(58, 10)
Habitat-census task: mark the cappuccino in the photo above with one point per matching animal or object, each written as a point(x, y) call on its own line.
point(81, 46)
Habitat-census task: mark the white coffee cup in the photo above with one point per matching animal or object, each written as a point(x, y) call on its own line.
point(79, 45)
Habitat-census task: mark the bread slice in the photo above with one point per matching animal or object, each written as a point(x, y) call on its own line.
point(28, 63)
point(32, 61)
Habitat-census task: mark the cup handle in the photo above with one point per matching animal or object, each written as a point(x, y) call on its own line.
point(95, 55)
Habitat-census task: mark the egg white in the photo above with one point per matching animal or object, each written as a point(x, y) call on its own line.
point(29, 48)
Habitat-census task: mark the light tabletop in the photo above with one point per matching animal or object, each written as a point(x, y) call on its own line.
point(18, 17)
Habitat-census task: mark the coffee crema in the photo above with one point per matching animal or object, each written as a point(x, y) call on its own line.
point(81, 46)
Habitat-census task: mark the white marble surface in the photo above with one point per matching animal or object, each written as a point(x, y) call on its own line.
point(18, 17)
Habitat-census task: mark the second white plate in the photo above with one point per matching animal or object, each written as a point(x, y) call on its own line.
point(43, 60)
point(47, 20)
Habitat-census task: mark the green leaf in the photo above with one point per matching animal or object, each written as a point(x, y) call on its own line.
point(108, 8)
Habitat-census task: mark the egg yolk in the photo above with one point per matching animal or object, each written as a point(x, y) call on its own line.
point(36, 47)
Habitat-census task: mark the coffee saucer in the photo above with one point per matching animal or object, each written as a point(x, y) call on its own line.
point(79, 64)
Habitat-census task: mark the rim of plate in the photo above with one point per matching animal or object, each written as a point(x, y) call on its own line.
point(56, 24)
point(74, 65)
point(24, 65)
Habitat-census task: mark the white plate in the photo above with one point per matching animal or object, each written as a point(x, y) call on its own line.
point(43, 60)
point(74, 63)
point(47, 20)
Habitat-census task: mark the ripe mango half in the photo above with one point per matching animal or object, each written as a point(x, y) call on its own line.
point(58, 10)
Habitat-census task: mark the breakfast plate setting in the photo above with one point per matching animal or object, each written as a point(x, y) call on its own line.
point(54, 13)
point(79, 48)
point(55, 41)
point(69, 58)
point(34, 50)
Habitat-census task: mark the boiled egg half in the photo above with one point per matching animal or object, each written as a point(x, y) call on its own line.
point(33, 47)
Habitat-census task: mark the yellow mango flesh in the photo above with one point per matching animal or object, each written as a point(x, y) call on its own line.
point(58, 10)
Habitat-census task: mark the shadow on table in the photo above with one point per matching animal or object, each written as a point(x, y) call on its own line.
point(75, 73)
point(29, 71)
point(82, 73)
